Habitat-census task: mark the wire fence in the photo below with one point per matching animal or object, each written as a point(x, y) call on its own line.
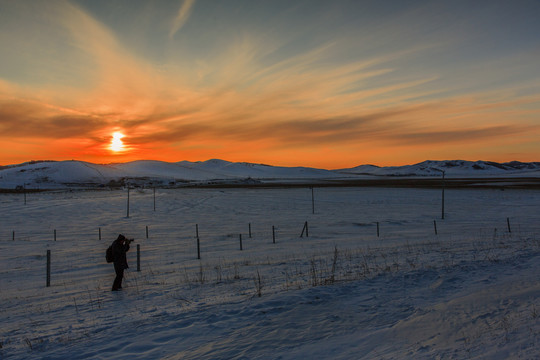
point(190, 230)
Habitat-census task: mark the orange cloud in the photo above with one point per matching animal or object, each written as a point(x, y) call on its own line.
point(303, 108)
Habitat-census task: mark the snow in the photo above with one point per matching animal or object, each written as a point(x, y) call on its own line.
point(54, 174)
point(469, 291)
point(452, 168)
point(78, 174)
point(259, 171)
point(161, 169)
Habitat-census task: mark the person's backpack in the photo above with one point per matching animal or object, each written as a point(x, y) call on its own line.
point(109, 255)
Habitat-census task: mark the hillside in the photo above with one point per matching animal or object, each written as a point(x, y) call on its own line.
point(69, 174)
point(452, 168)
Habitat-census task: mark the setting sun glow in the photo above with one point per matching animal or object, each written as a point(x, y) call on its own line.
point(117, 145)
point(325, 84)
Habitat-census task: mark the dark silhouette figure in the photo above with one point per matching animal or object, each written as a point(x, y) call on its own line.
point(119, 248)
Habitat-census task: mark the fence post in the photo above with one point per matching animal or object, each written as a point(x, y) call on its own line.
point(435, 226)
point(378, 229)
point(54, 234)
point(138, 257)
point(99, 233)
point(273, 234)
point(249, 230)
point(147, 231)
point(48, 268)
point(312, 201)
point(13, 238)
point(198, 241)
point(508, 222)
point(241, 248)
point(305, 228)
point(443, 186)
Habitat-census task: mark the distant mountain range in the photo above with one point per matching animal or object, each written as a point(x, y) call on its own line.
point(80, 174)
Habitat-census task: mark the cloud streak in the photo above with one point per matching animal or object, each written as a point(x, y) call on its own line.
point(181, 17)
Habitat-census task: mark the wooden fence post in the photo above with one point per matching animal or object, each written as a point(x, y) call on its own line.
point(48, 268)
point(54, 234)
point(241, 248)
point(138, 257)
point(312, 201)
point(198, 241)
point(147, 231)
point(378, 229)
point(305, 228)
point(99, 233)
point(508, 222)
point(273, 234)
point(435, 226)
point(249, 230)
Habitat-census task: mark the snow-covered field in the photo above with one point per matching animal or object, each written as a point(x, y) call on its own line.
point(344, 292)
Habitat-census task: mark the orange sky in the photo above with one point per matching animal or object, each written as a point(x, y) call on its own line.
point(322, 84)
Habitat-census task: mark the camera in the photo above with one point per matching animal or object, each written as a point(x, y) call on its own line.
point(129, 241)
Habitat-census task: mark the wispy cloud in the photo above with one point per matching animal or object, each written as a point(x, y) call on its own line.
point(461, 136)
point(252, 96)
point(181, 17)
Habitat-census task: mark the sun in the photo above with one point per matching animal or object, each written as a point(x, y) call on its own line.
point(117, 145)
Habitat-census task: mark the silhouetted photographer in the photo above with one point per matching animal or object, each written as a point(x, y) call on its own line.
point(119, 249)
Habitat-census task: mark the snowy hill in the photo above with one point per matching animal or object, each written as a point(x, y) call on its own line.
point(52, 174)
point(59, 174)
point(223, 168)
point(164, 170)
point(452, 168)
point(62, 174)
